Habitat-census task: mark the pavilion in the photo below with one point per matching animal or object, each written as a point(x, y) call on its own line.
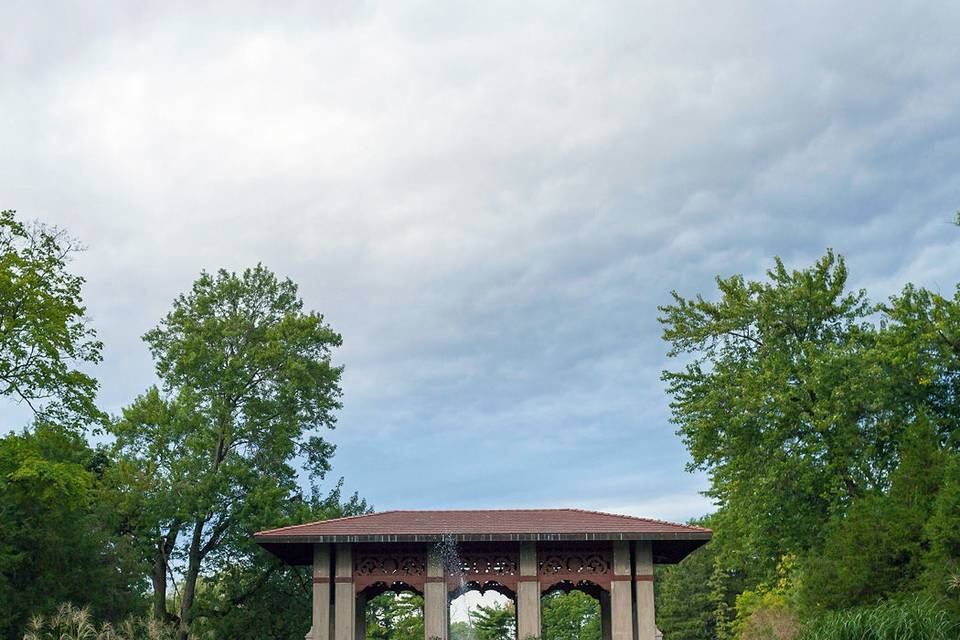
point(521, 553)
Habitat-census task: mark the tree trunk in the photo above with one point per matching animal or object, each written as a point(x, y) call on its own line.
point(190, 580)
point(161, 560)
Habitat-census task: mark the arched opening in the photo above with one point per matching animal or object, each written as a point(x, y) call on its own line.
point(483, 611)
point(573, 611)
point(389, 612)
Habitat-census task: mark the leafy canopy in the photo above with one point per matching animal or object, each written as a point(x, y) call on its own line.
point(44, 339)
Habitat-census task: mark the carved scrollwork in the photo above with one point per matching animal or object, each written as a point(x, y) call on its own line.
point(389, 568)
point(488, 565)
point(575, 567)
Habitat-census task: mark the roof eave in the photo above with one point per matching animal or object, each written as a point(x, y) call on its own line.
point(481, 537)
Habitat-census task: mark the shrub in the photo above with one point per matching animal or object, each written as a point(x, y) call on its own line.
point(917, 619)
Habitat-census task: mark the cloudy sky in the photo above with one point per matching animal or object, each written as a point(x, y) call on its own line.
point(488, 200)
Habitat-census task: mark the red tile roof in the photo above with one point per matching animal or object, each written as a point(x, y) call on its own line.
point(502, 524)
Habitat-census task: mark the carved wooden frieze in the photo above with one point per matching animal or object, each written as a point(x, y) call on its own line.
point(480, 567)
point(389, 566)
point(575, 565)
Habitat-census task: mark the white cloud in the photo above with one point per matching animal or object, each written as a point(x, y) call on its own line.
point(489, 201)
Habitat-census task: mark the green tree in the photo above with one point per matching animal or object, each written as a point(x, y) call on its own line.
point(43, 335)
point(570, 616)
point(685, 605)
point(942, 533)
point(393, 616)
point(253, 595)
point(774, 404)
point(460, 630)
point(875, 549)
point(54, 546)
point(496, 622)
point(247, 381)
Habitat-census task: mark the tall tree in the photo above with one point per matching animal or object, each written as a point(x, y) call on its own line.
point(247, 381)
point(44, 339)
point(775, 403)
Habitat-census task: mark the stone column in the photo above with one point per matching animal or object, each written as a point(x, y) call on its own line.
point(643, 562)
point(621, 593)
point(360, 624)
point(345, 600)
point(320, 625)
point(528, 593)
point(605, 632)
point(436, 605)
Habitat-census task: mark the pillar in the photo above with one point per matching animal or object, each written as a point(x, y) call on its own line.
point(605, 632)
point(360, 623)
point(320, 619)
point(528, 593)
point(344, 601)
point(621, 593)
point(646, 620)
point(436, 605)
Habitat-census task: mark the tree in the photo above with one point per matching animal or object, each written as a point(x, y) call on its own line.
point(395, 616)
point(776, 404)
point(460, 630)
point(684, 603)
point(43, 335)
point(875, 549)
point(54, 546)
point(496, 622)
point(254, 595)
point(247, 381)
point(570, 616)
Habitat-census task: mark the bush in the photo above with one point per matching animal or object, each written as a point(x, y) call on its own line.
point(918, 619)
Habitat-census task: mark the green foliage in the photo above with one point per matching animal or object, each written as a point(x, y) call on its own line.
point(875, 550)
point(764, 403)
point(828, 427)
point(942, 563)
point(247, 381)
point(685, 603)
point(392, 616)
point(767, 612)
point(496, 622)
point(460, 630)
point(43, 336)
point(53, 542)
point(254, 595)
point(915, 619)
point(570, 616)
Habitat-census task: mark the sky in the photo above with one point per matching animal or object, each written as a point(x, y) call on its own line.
point(487, 200)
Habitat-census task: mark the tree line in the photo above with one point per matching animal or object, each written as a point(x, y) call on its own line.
point(827, 423)
point(829, 427)
point(156, 519)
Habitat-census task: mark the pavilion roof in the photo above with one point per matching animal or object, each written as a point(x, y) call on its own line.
point(488, 526)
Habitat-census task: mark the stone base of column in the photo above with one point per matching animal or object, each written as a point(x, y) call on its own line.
point(528, 609)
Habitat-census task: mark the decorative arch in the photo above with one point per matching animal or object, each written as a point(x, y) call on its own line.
point(592, 589)
point(482, 587)
point(583, 567)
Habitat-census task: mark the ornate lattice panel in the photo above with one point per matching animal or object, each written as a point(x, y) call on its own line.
point(575, 565)
point(484, 567)
point(389, 566)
